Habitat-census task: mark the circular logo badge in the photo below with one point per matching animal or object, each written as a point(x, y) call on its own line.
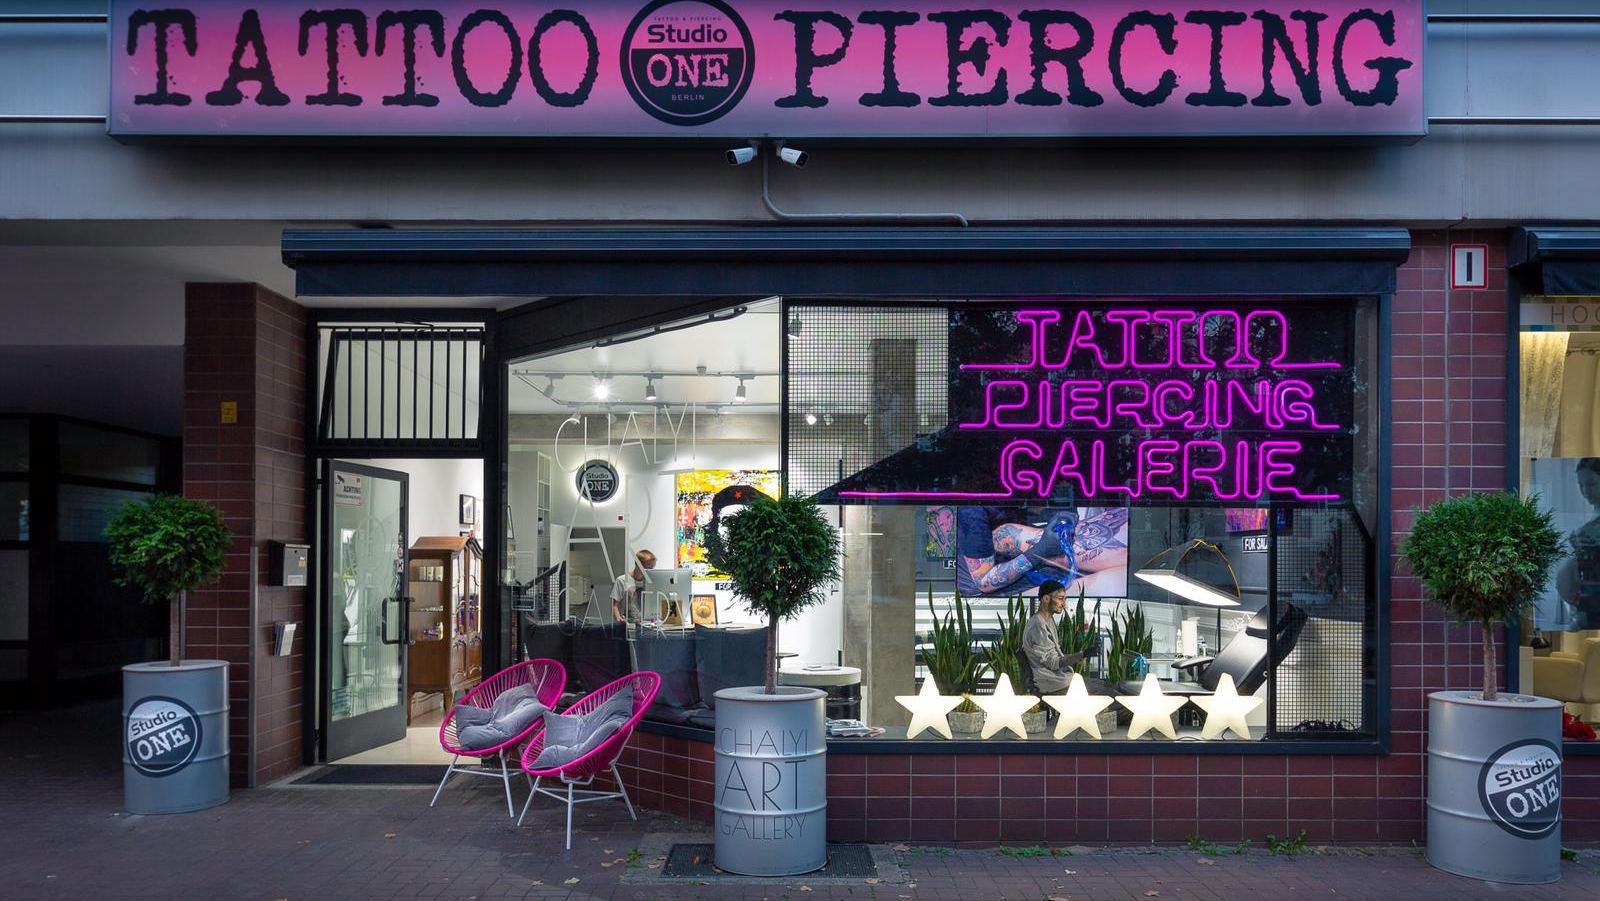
point(1520, 788)
point(163, 735)
point(597, 481)
point(687, 62)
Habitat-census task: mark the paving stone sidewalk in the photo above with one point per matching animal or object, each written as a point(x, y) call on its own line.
point(65, 836)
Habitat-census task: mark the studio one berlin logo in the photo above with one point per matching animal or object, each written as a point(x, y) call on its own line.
point(687, 62)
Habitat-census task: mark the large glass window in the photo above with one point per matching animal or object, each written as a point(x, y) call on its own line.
point(1143, 518)
point(1560, 462)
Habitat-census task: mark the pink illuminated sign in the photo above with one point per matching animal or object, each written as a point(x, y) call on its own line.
point(779, 68)
point(1114, 402)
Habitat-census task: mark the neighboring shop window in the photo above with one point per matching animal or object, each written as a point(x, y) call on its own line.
point(1198, 478)
point(1560, 462)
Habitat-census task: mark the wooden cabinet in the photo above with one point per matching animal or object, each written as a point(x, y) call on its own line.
point(445, 657)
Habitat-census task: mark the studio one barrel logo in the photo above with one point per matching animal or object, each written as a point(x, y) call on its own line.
point(163, 735)
point(1520, 788)
point(687, 62)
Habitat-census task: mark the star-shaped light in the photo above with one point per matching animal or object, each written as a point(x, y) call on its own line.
point(1151, 709)
point(928, 709)
point(1078, 709)
point(1004, 709)
point(1226, 710)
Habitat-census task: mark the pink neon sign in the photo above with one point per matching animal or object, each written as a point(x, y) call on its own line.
point(1121, 402)
point(780, 68)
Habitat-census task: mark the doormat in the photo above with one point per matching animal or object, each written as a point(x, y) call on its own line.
point(686, 861)
point(373, 774)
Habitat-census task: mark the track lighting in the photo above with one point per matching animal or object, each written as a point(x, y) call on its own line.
point(649, 389)
point(811, 419)
point(602, 389)
point(739, 395)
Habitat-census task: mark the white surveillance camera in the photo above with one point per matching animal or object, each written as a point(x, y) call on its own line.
point(795, 158)
point(738, 156)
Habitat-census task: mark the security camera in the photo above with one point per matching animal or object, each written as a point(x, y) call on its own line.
point(738, 156)
point(795, 158)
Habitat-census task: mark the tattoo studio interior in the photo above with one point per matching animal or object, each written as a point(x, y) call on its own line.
point(1119, 347)
point(1197, 478)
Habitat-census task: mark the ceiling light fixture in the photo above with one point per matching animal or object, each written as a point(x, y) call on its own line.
point(811, 419)
point(649, 389)
point(739, 396)
point(602, 390)
point(1184, 571)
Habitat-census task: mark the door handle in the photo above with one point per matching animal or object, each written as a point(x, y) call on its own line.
point(405, 620)
point(383, 624)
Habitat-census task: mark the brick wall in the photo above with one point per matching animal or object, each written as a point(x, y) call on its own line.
point(245, 344)
point(1450, 420)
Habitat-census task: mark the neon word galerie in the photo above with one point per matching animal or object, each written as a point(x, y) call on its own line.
point(1098, 374)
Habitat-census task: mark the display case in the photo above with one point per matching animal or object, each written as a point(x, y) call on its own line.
point(445, 656)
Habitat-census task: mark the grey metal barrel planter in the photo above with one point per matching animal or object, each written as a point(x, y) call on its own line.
point(771, 781)
point(1494, 786)
point(174, 736)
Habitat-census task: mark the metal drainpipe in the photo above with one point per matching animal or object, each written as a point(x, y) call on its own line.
point(766, 198)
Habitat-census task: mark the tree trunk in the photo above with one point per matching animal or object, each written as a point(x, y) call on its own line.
point(772, 655)
point(1491, 670)
point(175, 629)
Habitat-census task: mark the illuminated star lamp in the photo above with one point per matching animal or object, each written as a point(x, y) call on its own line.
point(1226, 709)
point(928, 709)
point(1004, 709)
point(1152, 709)
point(1078, 709)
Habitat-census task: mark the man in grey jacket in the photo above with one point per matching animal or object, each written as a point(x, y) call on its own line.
point(1052, 670)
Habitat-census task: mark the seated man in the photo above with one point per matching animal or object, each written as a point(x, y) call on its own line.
point(1052, 670)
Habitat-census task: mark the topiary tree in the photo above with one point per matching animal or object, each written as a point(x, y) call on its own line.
point(167, 545)
point(779, 555)
point(1484, 558)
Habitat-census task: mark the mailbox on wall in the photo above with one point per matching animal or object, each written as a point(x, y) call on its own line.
point(287, 564)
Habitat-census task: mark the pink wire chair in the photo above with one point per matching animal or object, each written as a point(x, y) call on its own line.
point(548, 678)
point(602, 759)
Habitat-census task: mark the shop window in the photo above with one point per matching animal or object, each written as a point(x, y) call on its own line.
point(86, 510)
point(108, 454)
point(13, 445)
point(13, 511)
point(1240, 573)
point(1560, 463)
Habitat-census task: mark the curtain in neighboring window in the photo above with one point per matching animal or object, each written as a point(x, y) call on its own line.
point(1578, 431)
point(1544, 359)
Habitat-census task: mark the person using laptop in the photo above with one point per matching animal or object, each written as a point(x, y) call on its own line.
point(627, 593)
point(1052, 670)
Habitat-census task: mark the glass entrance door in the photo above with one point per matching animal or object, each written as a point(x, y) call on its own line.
point(365, 609)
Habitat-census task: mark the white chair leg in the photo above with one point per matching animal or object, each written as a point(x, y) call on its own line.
point(569, 816)
point(505, 776)
point(624, 789)
point(447, 771)
point(526, 803)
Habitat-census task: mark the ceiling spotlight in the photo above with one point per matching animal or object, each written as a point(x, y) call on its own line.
point(738, 156)
point(573, 420)
point(811, 419)
point(827, 419)
point(795, 158)
point(602, 390)
point(739, 395)
point(794, 326)
point(649, 389)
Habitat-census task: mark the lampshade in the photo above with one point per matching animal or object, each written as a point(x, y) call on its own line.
point(1196, 570)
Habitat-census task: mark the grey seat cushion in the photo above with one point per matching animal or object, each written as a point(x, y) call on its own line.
point(568, 737)
point(514, 710)
point(728, 658)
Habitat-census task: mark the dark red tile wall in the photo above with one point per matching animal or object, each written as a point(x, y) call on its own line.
point(245, 344)
point(1449, 433)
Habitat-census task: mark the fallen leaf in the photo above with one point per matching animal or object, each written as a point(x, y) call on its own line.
point(1070, 872)
point(695, 859)
point(805, 888)
point(1058, 898)
point(1205, 861)
point(661, 857)
point(538, 882)
point(572, 881)
point(605, 863)
point(653, 866)
point(611, 850)
point(390, 834)
point(1152, 894)
point(718, 869)
point(873, 880)
point(902, 847)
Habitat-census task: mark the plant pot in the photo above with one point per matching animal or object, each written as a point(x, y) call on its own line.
point(971, 723)
point(1494, 786)
point(1035, 721)
point(771, 781)
point(174, 736)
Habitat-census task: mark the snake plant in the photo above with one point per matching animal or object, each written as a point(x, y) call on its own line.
point(951, 658)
